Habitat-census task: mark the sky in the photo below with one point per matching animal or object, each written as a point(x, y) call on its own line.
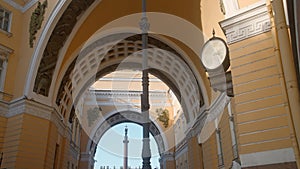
point(110, 147)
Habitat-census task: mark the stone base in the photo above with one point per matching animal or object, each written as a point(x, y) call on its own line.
point(289, 165)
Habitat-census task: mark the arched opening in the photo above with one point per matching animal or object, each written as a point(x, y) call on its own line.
point(119, 52)
point(115, 99)
point(110, 149)
point(123, 51)
point(77, 68)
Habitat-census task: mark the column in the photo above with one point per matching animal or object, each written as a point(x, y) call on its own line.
point(125, 162)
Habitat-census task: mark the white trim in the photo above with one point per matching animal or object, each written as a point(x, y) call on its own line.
point(248, 22)
point(231, 8)
point(24, 106)
point(53, 90)
point(6, 52)
point(181, 151)
point(60, 70)
point(218, 106)
point(3, 74)
point(296, 19)
point(119, 79)
point(268, 157)
point(20, 7)
point(3, 109)
point(37, 55)
point(5, 49)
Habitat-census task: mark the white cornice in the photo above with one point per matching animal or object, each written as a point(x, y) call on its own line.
point(268, 157)
point(31, 107)
point(3, 109)
point(218, 106)
point(247, 23)
point(20, 7)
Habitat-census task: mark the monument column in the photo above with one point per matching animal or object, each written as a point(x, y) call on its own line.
point(125, 162)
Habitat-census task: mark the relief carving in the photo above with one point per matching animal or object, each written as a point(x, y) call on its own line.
point(57, 39)
point(36, 21)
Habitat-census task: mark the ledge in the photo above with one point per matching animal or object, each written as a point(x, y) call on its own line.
point(247, 23)
point(19, 7)
point(8, 34)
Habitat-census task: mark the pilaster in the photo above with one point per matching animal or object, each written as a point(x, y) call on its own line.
point(33, 131)
point(260, 106)
point(167, 160)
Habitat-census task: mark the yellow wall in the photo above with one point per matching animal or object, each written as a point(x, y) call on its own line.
point(3, 122)
point(226, 139)
point(182, 161)
point(32, 142)
point(25, 142)
point(12, 42)
point(211, 15)
point(11, 141)
point(262, 120)
point(18, 62)
point(210, 158)
point(52, 140)
point(245, 3)
point(195, 158)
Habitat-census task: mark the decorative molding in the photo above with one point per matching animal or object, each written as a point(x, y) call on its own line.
point(218, 106)
point(167, 156)
point(43, 39)
point(231, 7)
point(163, 116)
point(29, 107)
point(5, 50)
point(3, 109)
point(8, 34)
point(222, 7)
point(20, 7)
point(248, 23)
point(25, 106)
point(165, 63)
point(93, 115)
point(183, 148)
point(37, 18)
point(268, 157)
point(86, 156)
point(74, 150)
point(119, 93)
point(58, 37)
point(199, 123)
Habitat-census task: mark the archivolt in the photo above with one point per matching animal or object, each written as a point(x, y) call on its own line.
point(123, 51)
point(126, 116)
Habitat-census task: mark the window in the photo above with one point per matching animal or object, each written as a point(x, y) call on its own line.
point(5, 18)
point(4, 55)
point(3, 64)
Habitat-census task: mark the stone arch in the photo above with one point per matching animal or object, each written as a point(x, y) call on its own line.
point(122, 51)
point(118, 117)
point(62, 26)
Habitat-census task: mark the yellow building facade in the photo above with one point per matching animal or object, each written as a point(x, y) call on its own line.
point(54, 109)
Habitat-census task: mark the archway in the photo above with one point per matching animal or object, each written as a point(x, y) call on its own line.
point(116, 51)
point(110, 149)
point(123, 51)
point(115, 118)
